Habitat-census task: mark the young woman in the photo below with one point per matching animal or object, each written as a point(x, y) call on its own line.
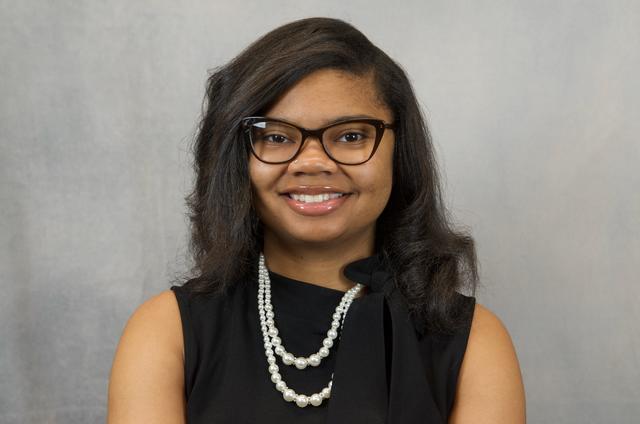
point(327, 277)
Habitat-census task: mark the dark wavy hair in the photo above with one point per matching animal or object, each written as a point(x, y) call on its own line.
point(431, 261)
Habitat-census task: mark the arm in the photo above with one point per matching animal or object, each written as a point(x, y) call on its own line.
point(147, 377)
point(490, 388)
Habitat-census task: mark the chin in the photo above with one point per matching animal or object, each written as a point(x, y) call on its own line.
point(315, 236)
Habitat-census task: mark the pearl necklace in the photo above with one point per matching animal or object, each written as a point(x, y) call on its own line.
point(273, 343)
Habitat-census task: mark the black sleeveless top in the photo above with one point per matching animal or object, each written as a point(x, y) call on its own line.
point(385, 371)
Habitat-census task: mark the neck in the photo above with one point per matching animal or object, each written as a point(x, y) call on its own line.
point(321, 265)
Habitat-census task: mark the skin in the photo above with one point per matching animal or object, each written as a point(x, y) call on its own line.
point(147, 377)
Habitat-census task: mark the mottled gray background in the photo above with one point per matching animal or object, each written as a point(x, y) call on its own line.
point(534, 111)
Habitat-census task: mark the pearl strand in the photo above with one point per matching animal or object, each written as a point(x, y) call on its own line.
point(273, 343)
point(327, 343)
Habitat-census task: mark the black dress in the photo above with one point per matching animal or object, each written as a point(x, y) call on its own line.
point(384, 370)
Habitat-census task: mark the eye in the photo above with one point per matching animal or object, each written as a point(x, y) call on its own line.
point(352, 137)
point(274, 138)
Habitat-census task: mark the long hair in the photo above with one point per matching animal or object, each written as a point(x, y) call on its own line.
point(430, 260)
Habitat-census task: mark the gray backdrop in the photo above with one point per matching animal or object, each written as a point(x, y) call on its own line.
point(534, 112)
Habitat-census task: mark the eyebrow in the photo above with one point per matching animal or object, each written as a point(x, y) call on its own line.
point(332, 120)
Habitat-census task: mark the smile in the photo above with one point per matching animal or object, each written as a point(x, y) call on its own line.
point(305, 198)
point(315, 205)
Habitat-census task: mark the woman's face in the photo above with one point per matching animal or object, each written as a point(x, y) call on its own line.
point(317, 100)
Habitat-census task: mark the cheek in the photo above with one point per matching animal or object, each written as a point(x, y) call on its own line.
point(376, 183)
point(378, 180)
point(381, 171)
point(259, 176)
point(254, 170)
point(263, 178)
point(258, 181)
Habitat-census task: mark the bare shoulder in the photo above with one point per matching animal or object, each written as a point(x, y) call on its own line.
point(490, 387)
point(147, 376)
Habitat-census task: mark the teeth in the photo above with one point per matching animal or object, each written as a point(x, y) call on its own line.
point(314, 199)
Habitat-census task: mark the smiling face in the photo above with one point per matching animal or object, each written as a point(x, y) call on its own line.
point(315, 101)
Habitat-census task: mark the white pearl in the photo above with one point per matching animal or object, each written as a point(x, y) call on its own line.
point(268, 307)
point(331, 333)
point(323, 352)
point(315, 399)
point(273, 368)
point(281, 386)
point(335, 324)
point(289, 395)
point(275, 377)
point(279, 350)
point(276, 341)
point(288, 359)
point(314, 360)
point(336, 316)
point(327, 342)
point(271, 359)
point(270, 314)
point(302, 401)
point(273, 332)
point(301, 363)
point(326, 393)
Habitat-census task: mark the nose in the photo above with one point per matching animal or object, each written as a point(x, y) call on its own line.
point(312, 158)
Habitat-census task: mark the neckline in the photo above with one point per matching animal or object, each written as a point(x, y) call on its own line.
point(302, 301)
point(363, 270)
point(312, 295)
point(274, 276)
point(372, 272)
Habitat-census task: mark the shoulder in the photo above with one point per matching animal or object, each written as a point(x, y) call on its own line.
point(490, 388)
point(147, 377)
point(163, 305)
point(158, 316)
point(487, 327)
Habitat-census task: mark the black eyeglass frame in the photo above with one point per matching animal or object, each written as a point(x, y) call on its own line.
point(379, 124)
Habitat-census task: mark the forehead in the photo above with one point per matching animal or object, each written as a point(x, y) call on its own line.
point(326, 95)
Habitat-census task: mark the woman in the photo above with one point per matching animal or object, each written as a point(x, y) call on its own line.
point(327, 275)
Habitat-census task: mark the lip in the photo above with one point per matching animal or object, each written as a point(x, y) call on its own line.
point(313, 190)
point(315, 208)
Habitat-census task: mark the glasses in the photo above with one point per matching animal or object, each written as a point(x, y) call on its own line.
point(349, 142)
